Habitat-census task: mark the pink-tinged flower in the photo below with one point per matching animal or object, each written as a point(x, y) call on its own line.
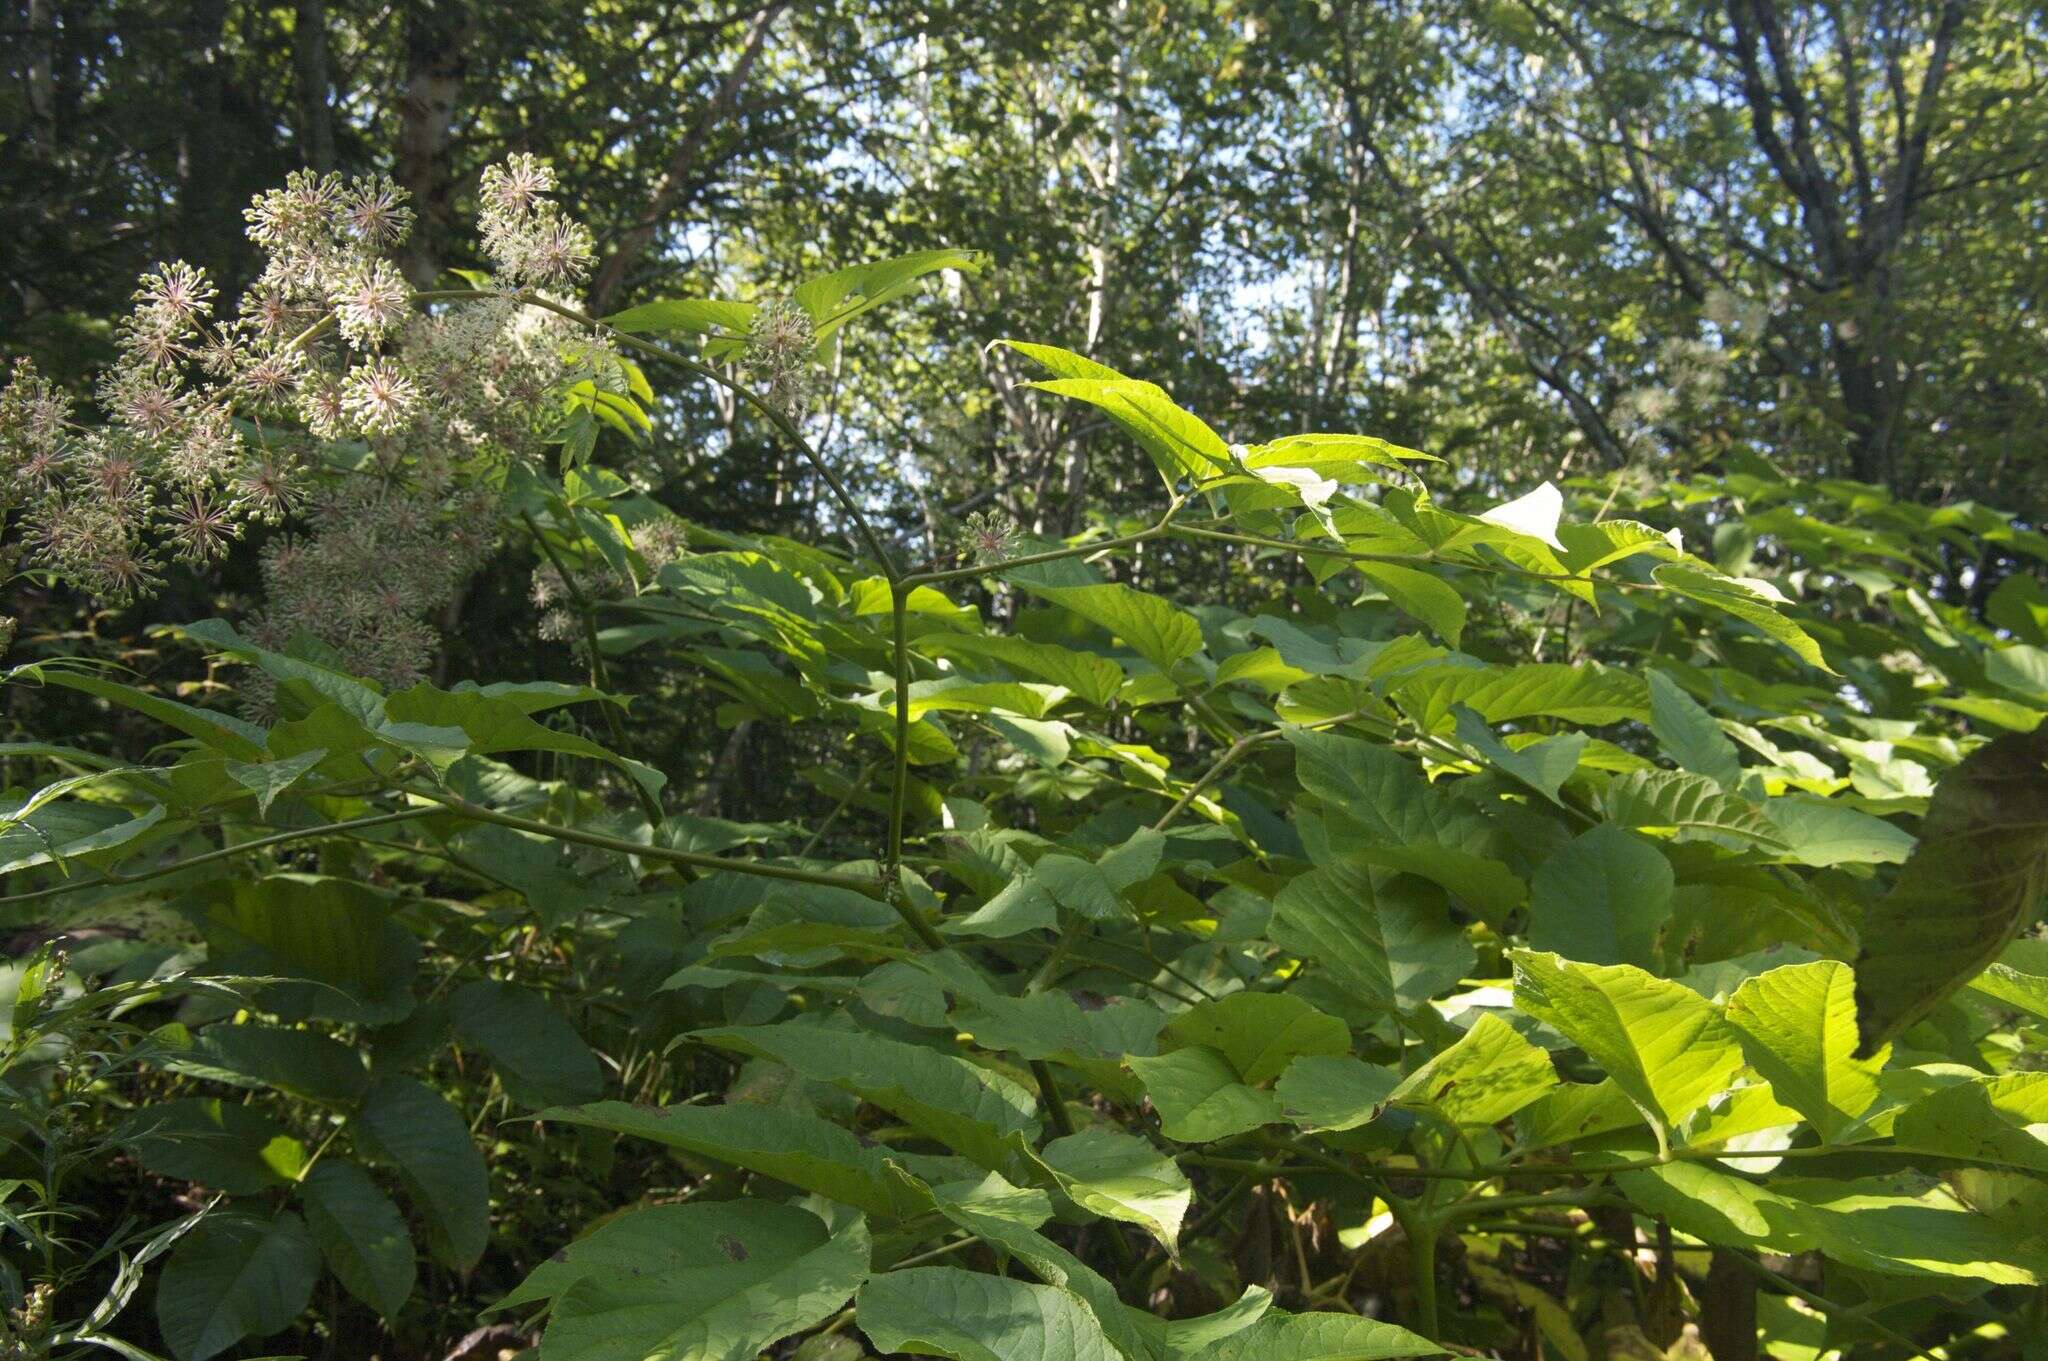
point(378, 397)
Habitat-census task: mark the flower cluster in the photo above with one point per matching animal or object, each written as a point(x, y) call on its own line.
point(988, 536)
point(781, 340)
point(328, 392)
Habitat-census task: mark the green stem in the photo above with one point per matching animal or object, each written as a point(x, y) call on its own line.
point(1049, 1095)
point(1421, 1231)
point(899, 770)
point(243, 848)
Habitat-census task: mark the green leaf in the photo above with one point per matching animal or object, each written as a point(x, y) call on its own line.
point(1863, 1226)
point(1822, 832)
point(1095, 679)
point(1798, 1030)
point(335, 932)
point(407, 1126)
point(538, 1056)
point(720, 1281)
point(1488, 1075)
point(1753, 602)
point(963, 1105)
point(692, 316)
point(360, 1233)
point(1179, 443)
point(870, 285)
point(1963, 1121)
point(268, 779)
point(1007, 1218)
point(302, 1062)
point(1387, 940)
point(803, 1150)
point(1689, 734)
point(1543, 765)
point(231, 1278)
point(1199, 1097)
point(1120, 1176)
point(240, 740)
point(498, 724)
point(1664, 1045)
point(1051, 1025)
point(968, 1316)
point(222, 1144)
point(1159, 632)
point(1428, 598)
point(1588, 694)
point(1602, 898)
point(1260, 1032)
point(1970, 885)
point(1322, 1093)
point(1281, 1336)
point(1691, 806)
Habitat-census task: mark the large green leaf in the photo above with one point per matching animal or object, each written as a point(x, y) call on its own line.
point(1095, 679)
point(1388, 940)
point(1326, 1093)
point(1973, 881)
point(217, 1143)
point(1160, 632)
point(1488, 1075)
point(302, 1062)
point(360, 1233)
point(537, 1055)
point(1689, 734)
point(1260, 1032)
point(1797, 1024)
point(1602, 898)
point(334, 932)
point(1578, 694)
point(1753, 602)
point(231, 1278)
point(1691, 807)
point(1120, 1176)
point(1861, 1225)
point(1428, 598)
point(800, 1149)
point(1281, 1336)
point(1664, 1045)
point(715, 1280)
point(407, 1126)
point(1008, 1217)
point(1199, 1096)
point(970, 1316)
point(1179, 443)
point(965, 1106)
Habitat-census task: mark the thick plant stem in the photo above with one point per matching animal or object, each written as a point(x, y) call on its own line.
point(899, 770)
point(1421, 1231)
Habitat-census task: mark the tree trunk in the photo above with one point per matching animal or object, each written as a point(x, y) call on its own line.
point(312, 84)
point(207, 222)
point(438, 34)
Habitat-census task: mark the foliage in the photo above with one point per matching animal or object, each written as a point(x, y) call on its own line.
point(1548, 926)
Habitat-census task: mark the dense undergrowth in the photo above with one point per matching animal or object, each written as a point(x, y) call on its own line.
point(1589, 926)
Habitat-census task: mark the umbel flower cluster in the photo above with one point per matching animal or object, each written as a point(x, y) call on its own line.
point(329, 399)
